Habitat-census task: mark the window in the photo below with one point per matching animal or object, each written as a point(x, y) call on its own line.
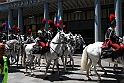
point(83, 17)
point(72, 16)
point(111, 11)
point(91, 14)
point(88, 14)
point(26, 21)
point(69, 16)
point(52, 17)
point(104, 13)
point(39, 19)
point(65, 17)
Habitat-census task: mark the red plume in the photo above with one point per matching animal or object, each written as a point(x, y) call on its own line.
point(57, 25)
point(17, 28)
point(49, 21)
point(3, 24)
point(63, 26)
point(43, 20)
point(29, 30)
point(112, 16)
point(14, 26)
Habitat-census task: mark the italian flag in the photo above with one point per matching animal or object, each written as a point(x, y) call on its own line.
point(55, 20)
point(60, 20)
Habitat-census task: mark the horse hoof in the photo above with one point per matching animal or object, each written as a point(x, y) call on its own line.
point(89, 79)
point(46, 78)
point(99, 81)
point(66, 72)
point(61, 79)
point(53, 72)
point(90, 74)
point(32, 74)
point(105, 73)
point(24, 72)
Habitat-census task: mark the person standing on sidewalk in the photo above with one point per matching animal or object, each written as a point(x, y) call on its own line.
point(4, 64)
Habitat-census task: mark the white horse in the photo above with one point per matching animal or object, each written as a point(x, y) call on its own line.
point(12, 47)
point(73, 43)
point(93, 52)
point(52, 54)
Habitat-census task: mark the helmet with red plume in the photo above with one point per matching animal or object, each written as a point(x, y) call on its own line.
point(112, 19)
point(64, 27)
point(18, 29)
point(29, 30)
point(43, 22)
point(3, 24)
point(51, 25)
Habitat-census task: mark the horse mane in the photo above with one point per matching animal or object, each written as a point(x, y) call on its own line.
point(56, 37)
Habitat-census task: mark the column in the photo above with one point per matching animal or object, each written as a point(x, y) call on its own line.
point(20, 19)
point(97, 20)
point(46, 13)
point(60, 11)
point(118, 15)
point(10, 17)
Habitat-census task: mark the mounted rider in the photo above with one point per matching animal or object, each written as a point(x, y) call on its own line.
point(112, 39)
point(64, 29)
point(50, 31)
point(12, 33)
point(42, 41)
point(30, 38)
point(3, 34)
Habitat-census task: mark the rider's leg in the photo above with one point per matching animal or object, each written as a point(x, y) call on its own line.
point(116, 52)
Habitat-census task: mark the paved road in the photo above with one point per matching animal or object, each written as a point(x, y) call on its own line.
point(73, 75)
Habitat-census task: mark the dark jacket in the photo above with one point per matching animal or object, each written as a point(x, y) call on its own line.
point(43, 36)
point(110, 34)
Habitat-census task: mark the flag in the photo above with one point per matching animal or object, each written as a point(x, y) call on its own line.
point(9, 27)
point(60, 19)
point(55, 19)
point(6, 25)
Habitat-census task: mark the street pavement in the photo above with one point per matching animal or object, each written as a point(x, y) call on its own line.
point(72, 76)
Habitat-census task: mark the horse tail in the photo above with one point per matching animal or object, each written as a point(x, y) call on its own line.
point(84, 59)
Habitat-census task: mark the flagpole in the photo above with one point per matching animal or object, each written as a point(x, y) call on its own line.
point(8, 35)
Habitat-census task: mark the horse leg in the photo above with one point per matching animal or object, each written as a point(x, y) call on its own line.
point(30, 64)
point(88, 69)
point(62, 58)
point(23, 58)
point(35, 61)
point(47, 66)
point(99, 63)
point(94, 69)
point(71, 59)
point(57, 65)
point(27, 63)
point(53, 67)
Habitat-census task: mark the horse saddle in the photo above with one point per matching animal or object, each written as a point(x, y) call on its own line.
point(36, 50)
point(107, 52)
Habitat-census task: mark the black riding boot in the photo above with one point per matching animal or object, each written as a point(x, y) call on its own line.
point(116, 54)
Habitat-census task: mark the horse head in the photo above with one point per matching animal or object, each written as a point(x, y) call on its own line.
point(60, 37)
